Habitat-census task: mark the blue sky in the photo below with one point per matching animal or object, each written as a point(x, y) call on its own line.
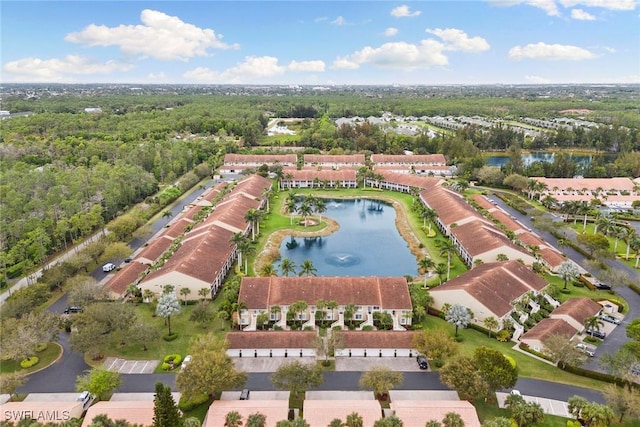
point(321, 42)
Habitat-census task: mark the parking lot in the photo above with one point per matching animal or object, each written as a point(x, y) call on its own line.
point(549, 406)
point(271, 364)
point(123, 366)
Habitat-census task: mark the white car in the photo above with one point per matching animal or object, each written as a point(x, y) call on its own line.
point(108, 267)
point(186, 360)
point(586, 350)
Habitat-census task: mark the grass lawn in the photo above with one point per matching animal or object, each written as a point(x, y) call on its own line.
point(620, 253)
point(528, 367)
point(51, 353)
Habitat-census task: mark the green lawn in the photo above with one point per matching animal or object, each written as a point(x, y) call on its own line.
point(528, 367)
point(620, 253)
point(51, 353)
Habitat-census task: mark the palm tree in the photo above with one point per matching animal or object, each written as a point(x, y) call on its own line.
point(419, 311)
point(266, 194)
point(354, 420)
point(246, 249)
point(307, 268)
point(276, 310)
point(425, 264)
point(349, 311)
point(490, 323)
point(287, 266)
point(428, 215)
point(184, 292)
point(620, 233)
point(256, 420)
point(634, 243)
point(238, 239)
point(446, 248)
point(147, 295)
point(304, 210)
point(441, 269)
point(593, 323)
point(268, 270)
point(168, 305)
point(252, 216)
point(204, 293)
point(233, 419)
point(320, 207)
point(628, 239)
point(291, 208)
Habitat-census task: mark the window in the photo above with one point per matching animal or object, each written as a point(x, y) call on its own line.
point(358, 316)
point(273, 316)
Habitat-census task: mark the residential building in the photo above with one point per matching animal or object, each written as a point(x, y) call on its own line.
point(236, 163)
point(310, 178)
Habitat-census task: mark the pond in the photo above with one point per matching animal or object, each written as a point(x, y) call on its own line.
point(367, 243)
point(582, 160)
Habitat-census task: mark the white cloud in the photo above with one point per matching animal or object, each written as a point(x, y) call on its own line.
point(59, 69)
point(605, 4)
point(157, 76)
point(553, 52)
point(339, 21)
point(548, 6)
point(160, 36)
point(320, 19)
point(404, 12)
point(581, 15)
point(252, 69)
point(610, 49)
point(399, 55)
point(537, 79)
point(314, 66)
point(390, 32)
point(455, 39)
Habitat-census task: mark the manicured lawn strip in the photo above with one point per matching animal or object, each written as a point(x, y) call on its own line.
point(621, 253)
point(51, 353)
point(528, 367)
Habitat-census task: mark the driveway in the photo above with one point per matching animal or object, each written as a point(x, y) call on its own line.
point(122, 366)
point(361, 364)
point(549, 406)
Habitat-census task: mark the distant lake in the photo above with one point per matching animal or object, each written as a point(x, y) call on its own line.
point(545, 156)
point(367, 243)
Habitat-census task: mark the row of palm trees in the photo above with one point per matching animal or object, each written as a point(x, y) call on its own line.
point(309, 205)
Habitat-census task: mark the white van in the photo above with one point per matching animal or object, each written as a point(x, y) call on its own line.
point(108, 267)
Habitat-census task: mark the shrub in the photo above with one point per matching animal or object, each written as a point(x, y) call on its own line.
point(165, 366)
point(186, 405)
point(367, 328)
point(337, 328)
point(42, 347)
point(503, 336)
point(308, 328)
point(29, 362)
point(635, 288)
point(170, 337)
point(175, 358)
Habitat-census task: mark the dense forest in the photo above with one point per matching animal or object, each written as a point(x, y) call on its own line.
point(65, 173)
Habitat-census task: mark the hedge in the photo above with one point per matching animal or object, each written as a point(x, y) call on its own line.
point(170, 337)
point(635, 288)
point(175, 358)
point(525, 347)
point(595, 375)
point(186, 405)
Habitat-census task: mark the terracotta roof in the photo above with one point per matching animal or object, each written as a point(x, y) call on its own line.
point(590, 184)
point(156, 248)
point(546, 328)
point(578, 309)
point(415, 413)
point(377, 339)
point(135, 412)
point(190, 213)
point(273, 410)
point(410, 180)
point(320, 412)
point(386, 292)
point(482, 201)
point(252, 186)
point(122, 279)
point(328, 174)
point(213, 192)
point(450, 206)
point(177, 227)
point(414, 158)
point(260, 158)
point(478, 237)
point(271, 339)
point(506, 220)
point(552, 257)
point(495, 285)
point(529, 239)
point(346, 158)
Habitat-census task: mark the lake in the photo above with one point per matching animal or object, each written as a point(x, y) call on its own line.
point(367, 243)
point(545, 156)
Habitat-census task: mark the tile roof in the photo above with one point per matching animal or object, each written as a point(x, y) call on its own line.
point(328, 174)
point(410, 180)
point(450, 206)
point(591, 184)
point(135, 412)
point(320, 412)
point(253, 186)
point(415, 413)
point(346, 158)
point(479, 237)
point(552, 257)
point(546, 328)
point(530, 240)
point(482, 201)
point(412, 159)
point(155, 249)
point(177, 227)
point(506, 220)
point(578, 309)
point(273, 410)
point(377, 339)
point(260, 158)
point(122, 279)
point(271, 339)
point(386, 292)
point(495, 285)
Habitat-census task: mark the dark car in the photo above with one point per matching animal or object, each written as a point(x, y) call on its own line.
point(596, 333)
point(72, 309)
point(603, 286)
point(422, 362)
point(128, 259)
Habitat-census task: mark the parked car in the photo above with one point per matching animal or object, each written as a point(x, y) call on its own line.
point(596, 333)
point(72, 309)
point(186, 361)
point(602, 286)
point(584, 349)
point(610, 319)
point(635, 369)
point(128, 259)
point(244, 395)
point(422, 362)
point(108, 267)
point(515, 392)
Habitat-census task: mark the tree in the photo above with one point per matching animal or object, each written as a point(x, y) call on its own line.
point(336, 422)
point(425, 264)
point(497, 422)
point(204, 293)
point(287, 266)
point(165, 410)
point(380, 379)
point(435, 344)
point(168, 306)
point(185, 292)
point(435, 423)
point(522, 412)
point(593, 323)
point(240, 241)
point(495, 369)
point(85, 290)
point(307, 268)
point(268, 270)
point(143, 333)
point(12, 381)
point(458, 315)
point(568, 270)
point(36, 328)
point(262, 319)
point(596, 415)
point(593, 242)
point(210, 370)
point(116, 250)
point(326, 346)
point(354, 420)
point(99, 382)
point(256, 420)
point(562, 350)
point(441, 269)
point(447, 248)
point(390, 421)
point(233, 419)
point(201, 313)
point(622, 401)
point(491, 323)
point(297, 377)
point(191, 422)
point(452, 419)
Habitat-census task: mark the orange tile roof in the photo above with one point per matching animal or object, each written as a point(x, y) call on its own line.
point(260, 158)
point(478, 237)
point(273, 410)
point(324, 174)
point(591, 184)
point(546, 328)
point(386, 292)
point(156, 248)
point(320, 412)
point(552, 257)
point(129, 274)
point(377, 339)
point(135, 412)
point(271, 339)
point(346, 158)
point(450, 206)
point(415, 413)
point(412, 159)
point(578, 309)
point(409, 180)
point(482, 201)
